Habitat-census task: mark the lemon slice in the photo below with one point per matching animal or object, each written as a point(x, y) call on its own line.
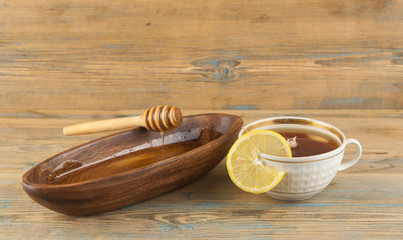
point(246, 170)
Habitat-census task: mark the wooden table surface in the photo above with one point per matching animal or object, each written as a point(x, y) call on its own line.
point(363, 202)
point(64, 62)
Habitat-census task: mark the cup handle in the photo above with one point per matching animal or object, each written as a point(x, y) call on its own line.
point(357, 156)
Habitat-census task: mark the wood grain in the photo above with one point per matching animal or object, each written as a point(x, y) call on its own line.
point(65, 62)
point(131, 166)
point(363, 202)
point(107, 55)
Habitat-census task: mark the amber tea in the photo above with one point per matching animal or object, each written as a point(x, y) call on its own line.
point(308, 145)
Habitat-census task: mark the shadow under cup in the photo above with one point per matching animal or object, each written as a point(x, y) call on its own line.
point(305, 176)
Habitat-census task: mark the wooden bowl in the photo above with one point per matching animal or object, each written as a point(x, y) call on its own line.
point(131, 166)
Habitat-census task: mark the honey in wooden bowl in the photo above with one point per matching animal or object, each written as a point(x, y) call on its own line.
point(131, 166)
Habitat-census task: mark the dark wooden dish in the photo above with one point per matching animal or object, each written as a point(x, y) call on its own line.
point(131, 166)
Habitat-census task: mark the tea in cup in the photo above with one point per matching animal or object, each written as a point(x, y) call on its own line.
point(318, 150)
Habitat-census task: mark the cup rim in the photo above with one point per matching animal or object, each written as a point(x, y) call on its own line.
point(303, 121)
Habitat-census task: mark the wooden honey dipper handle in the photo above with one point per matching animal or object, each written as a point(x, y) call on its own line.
point(157, 119)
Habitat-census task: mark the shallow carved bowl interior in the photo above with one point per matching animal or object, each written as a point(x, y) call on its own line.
point(132, 160)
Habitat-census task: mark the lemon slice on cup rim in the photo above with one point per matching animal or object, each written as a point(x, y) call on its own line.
point(246, 170)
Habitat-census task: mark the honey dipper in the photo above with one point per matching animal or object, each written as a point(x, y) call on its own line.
point(157, 119)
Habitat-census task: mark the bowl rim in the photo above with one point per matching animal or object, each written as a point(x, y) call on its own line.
point(236, 124)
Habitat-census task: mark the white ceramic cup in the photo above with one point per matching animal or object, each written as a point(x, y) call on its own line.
point(305, 176)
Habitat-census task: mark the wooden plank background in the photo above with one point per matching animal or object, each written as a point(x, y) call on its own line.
point(64, 62)
point(111, 55)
